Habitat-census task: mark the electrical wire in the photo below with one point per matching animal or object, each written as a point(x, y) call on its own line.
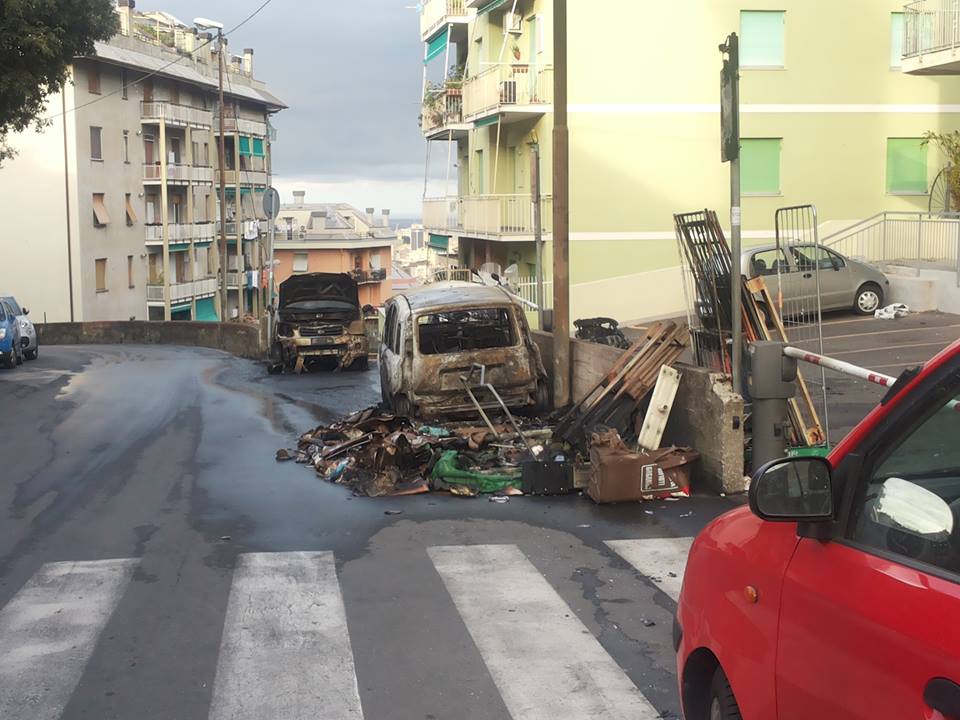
point(158, 70)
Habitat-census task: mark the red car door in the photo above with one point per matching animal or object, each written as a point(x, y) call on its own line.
point(870, 622)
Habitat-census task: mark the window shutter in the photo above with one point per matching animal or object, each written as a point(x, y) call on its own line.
point(100, 215)
point(762, 38)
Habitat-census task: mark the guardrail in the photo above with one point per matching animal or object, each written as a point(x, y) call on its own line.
point(182, 291)
point(180, 232)
point(241, 125)
point(442, 108)
point(436, 13)
point(504, 214)
point(915, 240)
point(930, 26)
point(507, 84)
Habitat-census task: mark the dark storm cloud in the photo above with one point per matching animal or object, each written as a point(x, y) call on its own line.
point(349, 71)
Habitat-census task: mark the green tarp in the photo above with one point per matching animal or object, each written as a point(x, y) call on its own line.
point(449, 472)
point(439, 242)
point(437, 46)
point(206, 311)
point(483, 122)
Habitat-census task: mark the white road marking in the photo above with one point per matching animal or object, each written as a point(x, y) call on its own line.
point(662, 560)
point(48, 632)
point(545, 662)
point(285, 651)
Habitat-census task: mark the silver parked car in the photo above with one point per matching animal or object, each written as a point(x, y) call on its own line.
point(844, 283)
point(27, 331)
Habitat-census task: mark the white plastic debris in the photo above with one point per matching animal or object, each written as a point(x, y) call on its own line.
point(892, 312)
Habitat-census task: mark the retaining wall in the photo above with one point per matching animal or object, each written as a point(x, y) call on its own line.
point(235, 338)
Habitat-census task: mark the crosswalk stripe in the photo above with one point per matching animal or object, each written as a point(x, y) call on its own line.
point(285, 651)
point(544, 661)
point(49, 630)
point(662, 560)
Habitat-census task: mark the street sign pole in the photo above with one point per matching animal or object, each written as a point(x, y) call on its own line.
point(730, 135)
point(271, 208)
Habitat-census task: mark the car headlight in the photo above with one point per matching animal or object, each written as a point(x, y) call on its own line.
point(24, 325)
point(3, 333)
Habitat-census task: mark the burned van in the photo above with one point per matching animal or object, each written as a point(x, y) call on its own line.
point(440, 339)
point(318, 316)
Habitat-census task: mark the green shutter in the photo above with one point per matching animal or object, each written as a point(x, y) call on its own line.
point(439, 242)
point(760, 166)
point(896, 39)
point(761, 38)
point(437, 46)
point(483, 122)
point(244, 145)
point(906, 166)
point(258, 147)
point(206, 311)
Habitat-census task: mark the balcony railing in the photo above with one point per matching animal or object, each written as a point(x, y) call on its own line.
point(363, 277)
point(182, 291)
point(507, 85)
point(440, 12)
point(931, 26)
point(245, 177)
point(180, 232)
point(487, 214)
point(242, 126)
point(174, 114)
point(441, 108)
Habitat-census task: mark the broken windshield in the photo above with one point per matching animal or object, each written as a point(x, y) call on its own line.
point(460, 330)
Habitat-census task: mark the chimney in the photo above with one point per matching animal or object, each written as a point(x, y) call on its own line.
point(248, 62)
point(386, 217)
point(124, 8)
point(371, 216)
point(298, 196)
point(203, 47)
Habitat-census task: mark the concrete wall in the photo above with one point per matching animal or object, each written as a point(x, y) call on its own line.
point(235, 338)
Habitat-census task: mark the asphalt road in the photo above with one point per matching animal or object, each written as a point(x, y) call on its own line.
point(156, 562)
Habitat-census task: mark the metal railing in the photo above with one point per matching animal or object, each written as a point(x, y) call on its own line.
point(527, 289)
point(914, 240)
point(441, 108)
point(436, 12)
point(180, 232)
point(930, 26)
point(507, 84)
point(246, 177)
point(504, 214)
point(181, 291)
point(176, 172)
point(241, 125)
point(174, 113)
point(442, 213)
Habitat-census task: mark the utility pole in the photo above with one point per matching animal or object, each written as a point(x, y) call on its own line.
point(537, 225)
point(561, 211)
point(224, 265)
point(730, 136)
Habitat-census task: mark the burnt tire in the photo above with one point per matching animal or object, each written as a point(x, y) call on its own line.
point(542, 398)
point(10, 359)
point(402, 406)
point(722, 704)
point(869, 299)
point(31, 354)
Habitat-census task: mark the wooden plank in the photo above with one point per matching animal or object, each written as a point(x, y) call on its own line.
point(655, 421)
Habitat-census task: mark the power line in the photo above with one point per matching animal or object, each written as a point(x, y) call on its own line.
point(156, 72)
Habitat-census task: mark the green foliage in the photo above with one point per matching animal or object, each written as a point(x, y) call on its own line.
point(38, 40)
point(949, 145)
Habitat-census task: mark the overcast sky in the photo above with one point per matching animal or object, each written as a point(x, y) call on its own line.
point(350, 71)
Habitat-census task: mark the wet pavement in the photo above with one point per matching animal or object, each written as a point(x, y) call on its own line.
point(165, 456)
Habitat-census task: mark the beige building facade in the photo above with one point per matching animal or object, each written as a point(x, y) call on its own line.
point(117, 200)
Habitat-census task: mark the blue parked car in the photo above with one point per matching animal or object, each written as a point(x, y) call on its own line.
point(11, 349)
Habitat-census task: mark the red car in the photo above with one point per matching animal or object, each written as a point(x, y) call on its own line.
point(836, 594)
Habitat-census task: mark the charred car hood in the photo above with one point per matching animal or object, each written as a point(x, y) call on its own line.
point(314, 287)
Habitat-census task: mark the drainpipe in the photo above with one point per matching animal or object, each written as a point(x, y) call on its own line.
point(66, 191)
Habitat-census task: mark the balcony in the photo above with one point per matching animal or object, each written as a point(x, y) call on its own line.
point(180, 233)
point(931, 42)
point(177, 174)
point(153, 111)
point(489, 215)
point(242, 126)
point(437, 13)
point(515, 89)
point(442, 114)
point(181, 292)
point(253, 174)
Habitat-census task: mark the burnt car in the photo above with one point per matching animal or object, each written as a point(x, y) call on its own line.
point(437, 338)
point(319, 317)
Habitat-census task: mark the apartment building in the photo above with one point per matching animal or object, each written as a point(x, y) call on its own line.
point(336, 237)
point(117, 201)
point(828, 117)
